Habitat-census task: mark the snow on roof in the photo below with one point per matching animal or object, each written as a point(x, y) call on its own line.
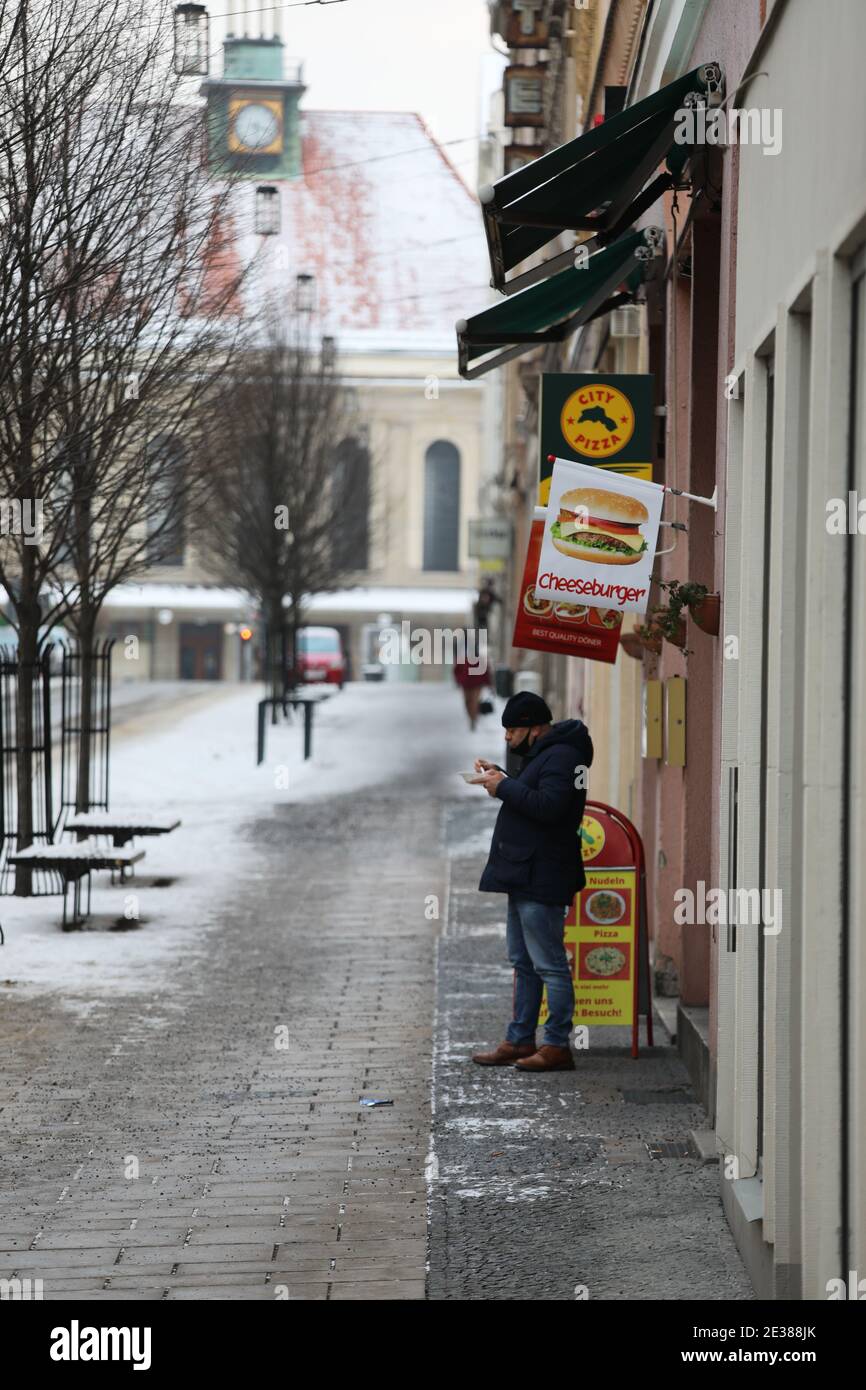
point(382, 220)
point(376, 600)
point(384, 600)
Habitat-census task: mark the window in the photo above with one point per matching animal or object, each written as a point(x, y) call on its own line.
point(442, 506)
point(267, 210)
point(352, 495)
point(317, 643)
point(64, 519)
point(165, 512)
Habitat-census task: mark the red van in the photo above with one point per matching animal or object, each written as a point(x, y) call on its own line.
point(320, 656)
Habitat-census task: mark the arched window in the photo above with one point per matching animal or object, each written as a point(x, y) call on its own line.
point(352, 490)
point(166, 532)
point(442, 506)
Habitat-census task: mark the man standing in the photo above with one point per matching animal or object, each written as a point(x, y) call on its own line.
point(535, 858)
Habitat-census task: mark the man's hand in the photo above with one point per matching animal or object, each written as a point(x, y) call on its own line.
point(482, 765)
point(491, 781)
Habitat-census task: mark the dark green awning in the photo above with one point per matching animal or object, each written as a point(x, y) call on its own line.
point(549, 312)
point(597, 183)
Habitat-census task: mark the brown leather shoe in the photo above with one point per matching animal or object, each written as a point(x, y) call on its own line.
point(505, 1055)
point(548, 1058)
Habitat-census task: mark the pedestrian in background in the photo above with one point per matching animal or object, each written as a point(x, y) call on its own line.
point(535, 858)
point(471, 678)
point(487, 597)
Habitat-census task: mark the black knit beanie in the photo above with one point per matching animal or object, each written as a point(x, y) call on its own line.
point(524, 710)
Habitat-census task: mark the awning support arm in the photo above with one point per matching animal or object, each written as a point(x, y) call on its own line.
point(543, 271)
point(633, 186)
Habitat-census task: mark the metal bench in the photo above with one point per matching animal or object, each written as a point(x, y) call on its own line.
point(308, 701)
point(121, 827)
point(74, 863)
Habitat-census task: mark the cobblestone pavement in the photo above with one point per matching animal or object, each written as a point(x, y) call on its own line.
point(207, 1142)
point(548, 1186)
point(259, 1176)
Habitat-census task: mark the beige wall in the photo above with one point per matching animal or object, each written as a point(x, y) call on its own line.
point(408, 403)
point(801, 239)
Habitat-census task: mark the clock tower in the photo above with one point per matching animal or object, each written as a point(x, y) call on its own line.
point(253, 121)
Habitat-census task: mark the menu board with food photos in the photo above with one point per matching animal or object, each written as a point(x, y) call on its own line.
point(543, 624)
point(601, 923)
point(605, 934)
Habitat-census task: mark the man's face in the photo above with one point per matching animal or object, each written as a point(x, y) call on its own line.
point(514, 737)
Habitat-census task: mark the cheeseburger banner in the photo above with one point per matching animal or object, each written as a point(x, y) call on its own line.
point(605, 420)
point(545, 625)
point(600, 537)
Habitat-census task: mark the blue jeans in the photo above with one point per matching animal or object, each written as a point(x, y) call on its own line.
point(535, 938)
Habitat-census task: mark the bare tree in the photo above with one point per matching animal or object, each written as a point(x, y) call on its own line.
point(33, 285)
point(119, 299)
point(288, 514)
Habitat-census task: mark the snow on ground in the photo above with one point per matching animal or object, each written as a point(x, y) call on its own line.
point(198, 764)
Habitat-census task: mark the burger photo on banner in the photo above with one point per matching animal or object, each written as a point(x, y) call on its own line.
point(574, 629)
point(600, 537)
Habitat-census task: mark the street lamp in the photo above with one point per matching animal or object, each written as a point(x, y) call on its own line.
point(191, 40)
point(267, 210)
point(305, 294)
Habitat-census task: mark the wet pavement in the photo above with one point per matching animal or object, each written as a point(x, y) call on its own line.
point(570, 1185)
point(205, 1141)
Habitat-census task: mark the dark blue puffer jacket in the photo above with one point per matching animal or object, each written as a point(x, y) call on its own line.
point(535, 850)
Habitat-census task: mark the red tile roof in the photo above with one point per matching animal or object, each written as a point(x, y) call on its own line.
point(384, 222)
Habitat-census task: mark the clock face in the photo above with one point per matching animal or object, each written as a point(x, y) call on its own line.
point(256, 126)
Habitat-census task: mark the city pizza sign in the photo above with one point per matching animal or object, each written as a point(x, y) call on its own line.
point(597, 421)
point(603, 419)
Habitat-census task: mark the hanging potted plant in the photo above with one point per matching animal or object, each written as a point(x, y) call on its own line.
point(670, 623)
point(707, 613)
point(704, 607)
point(648, 637)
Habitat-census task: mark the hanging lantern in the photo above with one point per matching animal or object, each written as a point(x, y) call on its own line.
point(329, 353)
point(305, 294)
point(191, 40)
point(267, 210)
